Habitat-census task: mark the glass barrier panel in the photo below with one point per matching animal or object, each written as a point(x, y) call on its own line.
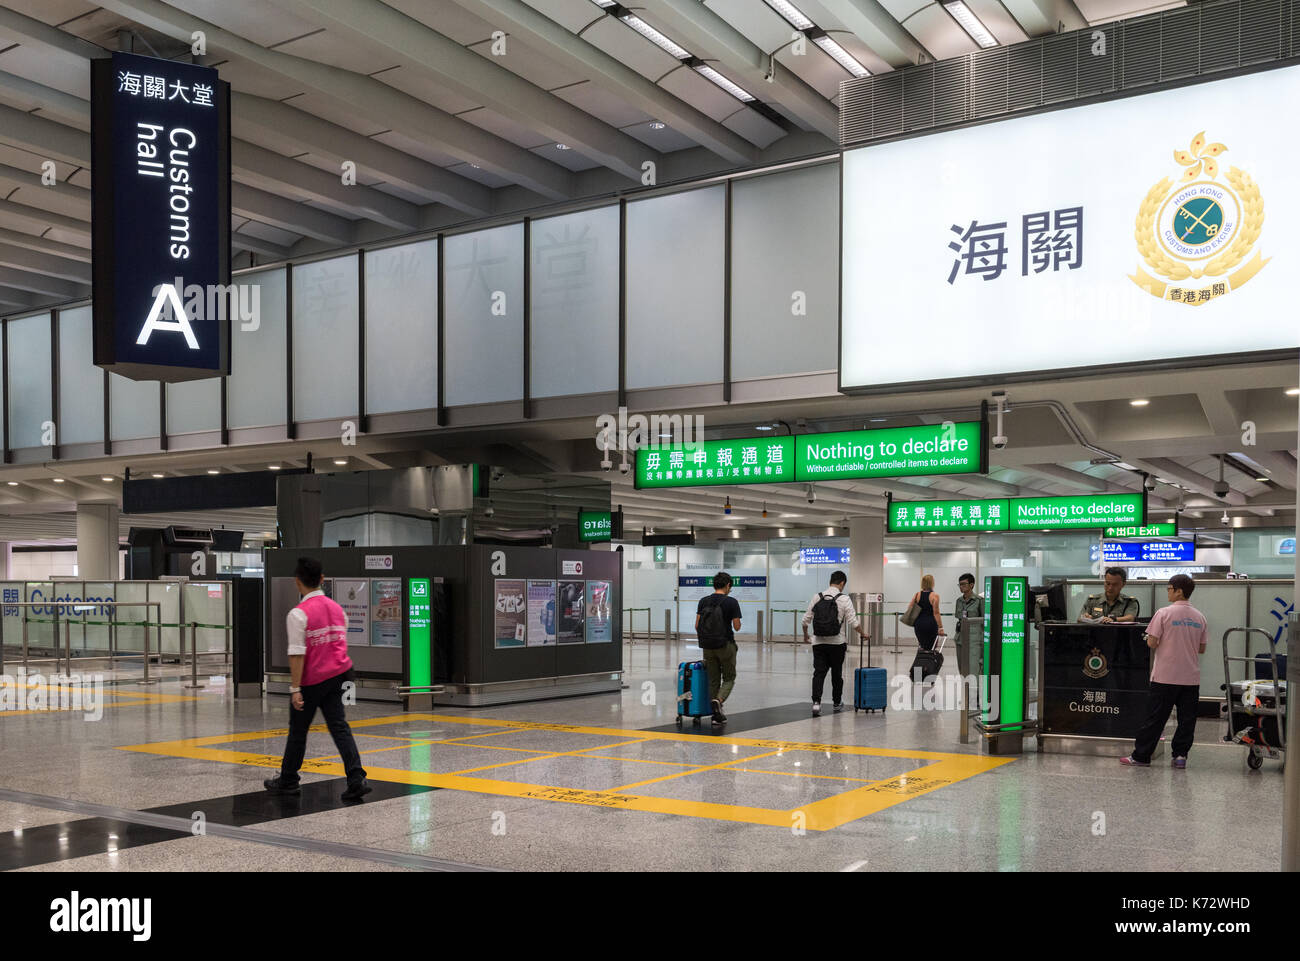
point(128, 630)
point(40, 619)
point(168, 593)
point(94, 624)
point(205, 605)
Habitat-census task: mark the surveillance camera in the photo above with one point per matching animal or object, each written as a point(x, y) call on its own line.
point(1221, 488)
point(1149, 484)
point(999, 441)
point(623, 468)
point(490, 511)
point(812, 494)
point(1179, 509)
point(607, 465)
point(1225, 520)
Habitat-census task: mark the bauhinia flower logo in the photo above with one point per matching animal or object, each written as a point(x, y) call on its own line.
point(1200, 157)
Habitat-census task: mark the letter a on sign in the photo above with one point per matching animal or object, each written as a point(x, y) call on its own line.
point(167, 294)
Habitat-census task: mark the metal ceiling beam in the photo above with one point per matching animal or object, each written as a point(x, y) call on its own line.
point(290, 215)
point(21, 299)
point(258, 246)
point(1188, 478)
point(21, 258)
point(17, 238)
point(711, 37)
point(31, 29)
point(264, 168)
point(482, 79)
point(1073, 477)
point(337, 144)
point(46, 138)
point(370, 97)
point(875, 26)
point(522, 21)
point(41, 219)
point(1279, 465)
point(41, 284)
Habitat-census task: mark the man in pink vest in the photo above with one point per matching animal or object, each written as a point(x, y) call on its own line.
point(319, 663)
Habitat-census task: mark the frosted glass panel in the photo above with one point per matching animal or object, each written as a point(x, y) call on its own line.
point(325, 339)
point(81, 383)
point(785, 259)
point(29, 380)
point(402, 328)
point(133, 408)
point(194, 405)
point(485, 315)
point(675, 289)
point(255, 395)
point(1259, 552)
point(575, 303)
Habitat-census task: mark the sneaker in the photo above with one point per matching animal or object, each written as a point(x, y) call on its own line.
point(356, 792)
point(1134, 762)
point(817, 708)
point(277, 785)
point(837, 707)
point(718, 716)
point(1180, 762)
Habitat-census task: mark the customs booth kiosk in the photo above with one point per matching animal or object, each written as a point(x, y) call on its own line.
point(481, 624)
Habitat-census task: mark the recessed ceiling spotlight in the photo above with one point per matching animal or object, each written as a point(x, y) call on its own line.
point(13, 483)
point(763, 427)
point(107, 480)
point(268, 467)
point(58, 480)
point(657, 125)
point(1139, 402)
point(562, 146)
point(341, 461)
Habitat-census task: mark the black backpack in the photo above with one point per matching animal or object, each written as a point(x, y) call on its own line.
point(712, 631)
point(826, 616)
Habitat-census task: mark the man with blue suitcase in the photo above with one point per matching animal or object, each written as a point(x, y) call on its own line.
point(717, 618)
point(831, 616)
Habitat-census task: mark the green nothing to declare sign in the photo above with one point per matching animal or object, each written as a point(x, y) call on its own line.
point(1085, 512)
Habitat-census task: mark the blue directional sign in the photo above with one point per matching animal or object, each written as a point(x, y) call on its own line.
point(831, 556)
point(1136, 552)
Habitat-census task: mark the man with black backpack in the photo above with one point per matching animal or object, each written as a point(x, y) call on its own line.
point(716, 621)
point(832, 617)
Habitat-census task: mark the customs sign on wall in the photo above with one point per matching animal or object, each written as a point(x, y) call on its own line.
point(160, 138)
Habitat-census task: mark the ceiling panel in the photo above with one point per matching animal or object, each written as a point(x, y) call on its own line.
point(665, 141)
point(705, 96)
point(504, 127)
point(861, 52)
point(525, 62)
point(415, 148)
point(571, 14)
point(447, 18)
point(815, 69)
point(602, 104)
point(247, 77)
point(52, 11)
point(630, 48)
point(570, 159)
point(52, 68)
point(1104, 11)
point(275, 235)
point(427, 89)
point(936, 30)
point(998, 20)
point(900, 10)
point(326, 47)
point(754, 127)
point(78, 239)
point(266, 24)
point(402, 193)
point(485, 177)
point(764, 27)
point(328, 109)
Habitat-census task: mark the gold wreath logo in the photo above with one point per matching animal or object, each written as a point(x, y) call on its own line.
point(1224, 220)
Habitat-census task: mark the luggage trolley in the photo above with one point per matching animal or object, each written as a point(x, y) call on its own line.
point(1256, 709)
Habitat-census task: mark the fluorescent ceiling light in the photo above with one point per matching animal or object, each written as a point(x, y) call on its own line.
point(107, 480)
point(842, 56)
point(792, 14)
point(341, 461)
point(213, 470)
point(13, 483)
point(1292, 391)
point(739, 93)
point(971, 23)
point(58, 480)
point(1139, 402)
point(157, 475)
point(655, 37)
point(272, 466)
point(657, 125)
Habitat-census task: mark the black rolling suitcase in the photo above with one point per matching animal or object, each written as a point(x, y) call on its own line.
point(928, 663)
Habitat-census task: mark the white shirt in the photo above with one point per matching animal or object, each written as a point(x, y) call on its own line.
point(296, 625)
point(848, 616)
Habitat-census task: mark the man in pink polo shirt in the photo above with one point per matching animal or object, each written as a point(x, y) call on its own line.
point(1177, 635)
point(320, 666)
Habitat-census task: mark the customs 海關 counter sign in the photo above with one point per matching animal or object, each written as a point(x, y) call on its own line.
point(160, 137)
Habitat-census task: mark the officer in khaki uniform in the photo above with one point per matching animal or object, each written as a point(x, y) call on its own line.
point(1111, 606)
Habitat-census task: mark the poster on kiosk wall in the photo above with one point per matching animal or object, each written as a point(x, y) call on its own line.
point(509, 611)
point(572, 612)
point(599, 624)
point(386, 613)
point(354, 597)
point(541, 613)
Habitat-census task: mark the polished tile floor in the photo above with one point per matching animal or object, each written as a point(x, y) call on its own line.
point(608, 783)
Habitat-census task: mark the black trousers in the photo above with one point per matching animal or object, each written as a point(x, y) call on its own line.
point(828, 657)
point(1164, 698)
point(328, 696)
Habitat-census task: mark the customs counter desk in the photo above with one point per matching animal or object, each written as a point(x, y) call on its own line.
point(1094, 681)
point(463, 625)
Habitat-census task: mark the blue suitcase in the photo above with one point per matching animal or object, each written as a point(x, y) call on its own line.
point(870, 685)
point(693, 691)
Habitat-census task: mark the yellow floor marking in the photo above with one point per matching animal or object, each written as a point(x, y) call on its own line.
point(374, 750)
point(828, 777)
point(822, 815)
point(696, 770)
point(111, 698)
point(541, 756)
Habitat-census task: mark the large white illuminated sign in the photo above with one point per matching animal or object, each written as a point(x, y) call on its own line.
point(1137, 230)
